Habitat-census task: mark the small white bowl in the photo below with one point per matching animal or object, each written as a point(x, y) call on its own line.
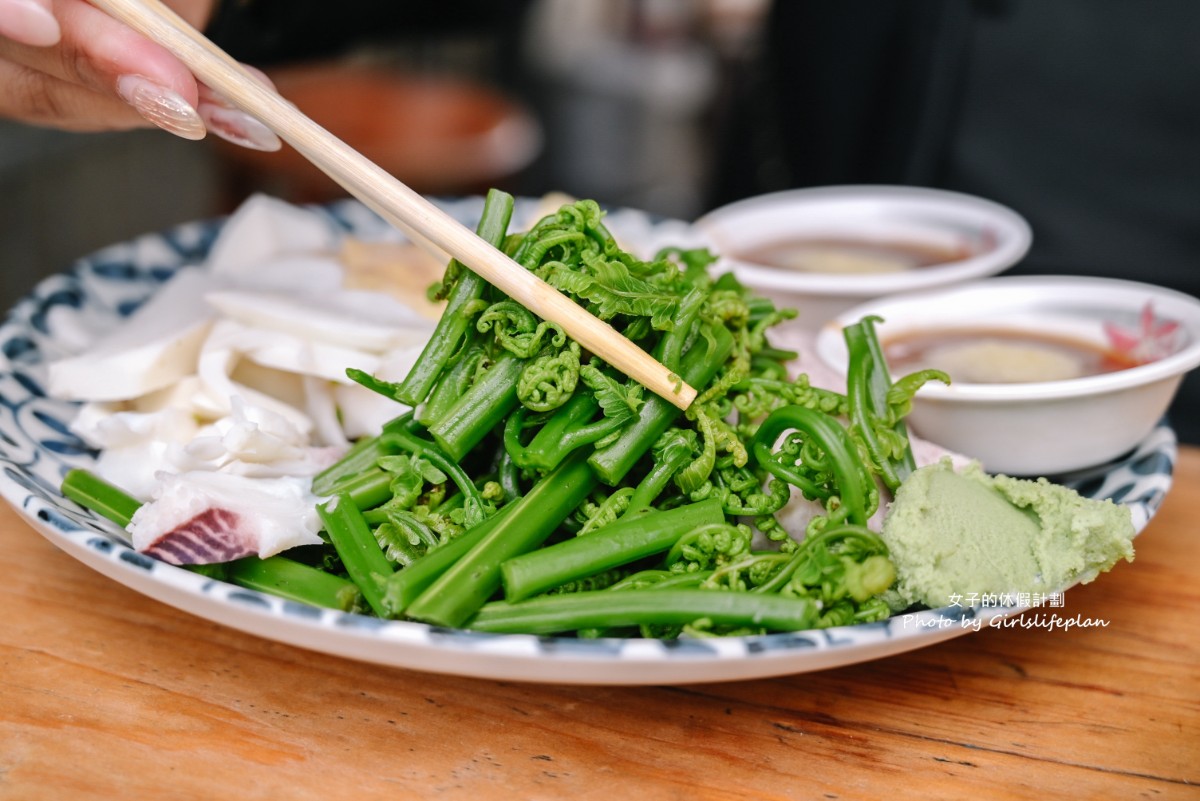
point(1047, 427)
point(994, 236)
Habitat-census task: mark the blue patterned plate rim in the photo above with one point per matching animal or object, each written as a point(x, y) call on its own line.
point(37, 448)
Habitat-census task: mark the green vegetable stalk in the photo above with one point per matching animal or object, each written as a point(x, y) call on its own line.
point(630, 539)
point(92, 492)
point(405, 586)
point(877, 406)
point(825, 464)
point(602, 609)
point(612, 462)
point(464, 297)
point(357, 548)
point(456, 595)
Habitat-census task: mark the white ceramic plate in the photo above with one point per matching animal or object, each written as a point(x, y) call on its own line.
point(36, 448)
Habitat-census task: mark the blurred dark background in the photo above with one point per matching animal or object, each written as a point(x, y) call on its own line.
point(1082, 115)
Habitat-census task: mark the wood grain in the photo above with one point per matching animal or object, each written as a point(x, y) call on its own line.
point(105, 694)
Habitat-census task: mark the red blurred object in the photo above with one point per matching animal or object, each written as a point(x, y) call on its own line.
point(438, 135)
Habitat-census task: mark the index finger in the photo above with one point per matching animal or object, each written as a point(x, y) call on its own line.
point(97, 51)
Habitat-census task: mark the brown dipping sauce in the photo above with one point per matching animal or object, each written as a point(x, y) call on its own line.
point(982, 356)
point(852, 256)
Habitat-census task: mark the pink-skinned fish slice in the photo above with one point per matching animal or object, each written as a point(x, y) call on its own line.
point(214, 535)
point(202, 517)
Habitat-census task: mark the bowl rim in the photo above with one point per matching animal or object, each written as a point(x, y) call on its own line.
point(1013, 239)
point(830, 345)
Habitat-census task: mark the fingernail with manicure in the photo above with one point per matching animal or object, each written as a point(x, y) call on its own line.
point(29, 23)
point(161, 106)
point(238, 127)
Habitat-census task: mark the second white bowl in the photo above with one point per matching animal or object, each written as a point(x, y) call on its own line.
point(1044, 427)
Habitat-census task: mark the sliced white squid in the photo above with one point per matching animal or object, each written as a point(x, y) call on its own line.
point(358, 320)
point(155, 347)
point(362, 411)
point(321, 404)
point(229, 343)
point(263, 229)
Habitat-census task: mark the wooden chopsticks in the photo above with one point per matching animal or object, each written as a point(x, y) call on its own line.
point(390, 198)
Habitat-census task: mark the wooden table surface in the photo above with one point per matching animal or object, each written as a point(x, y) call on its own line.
point(105, 694)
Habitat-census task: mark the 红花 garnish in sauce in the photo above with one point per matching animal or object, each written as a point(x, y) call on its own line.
point(981, 356)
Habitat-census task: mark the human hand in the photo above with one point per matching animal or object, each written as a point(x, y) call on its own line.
point(66, 64)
